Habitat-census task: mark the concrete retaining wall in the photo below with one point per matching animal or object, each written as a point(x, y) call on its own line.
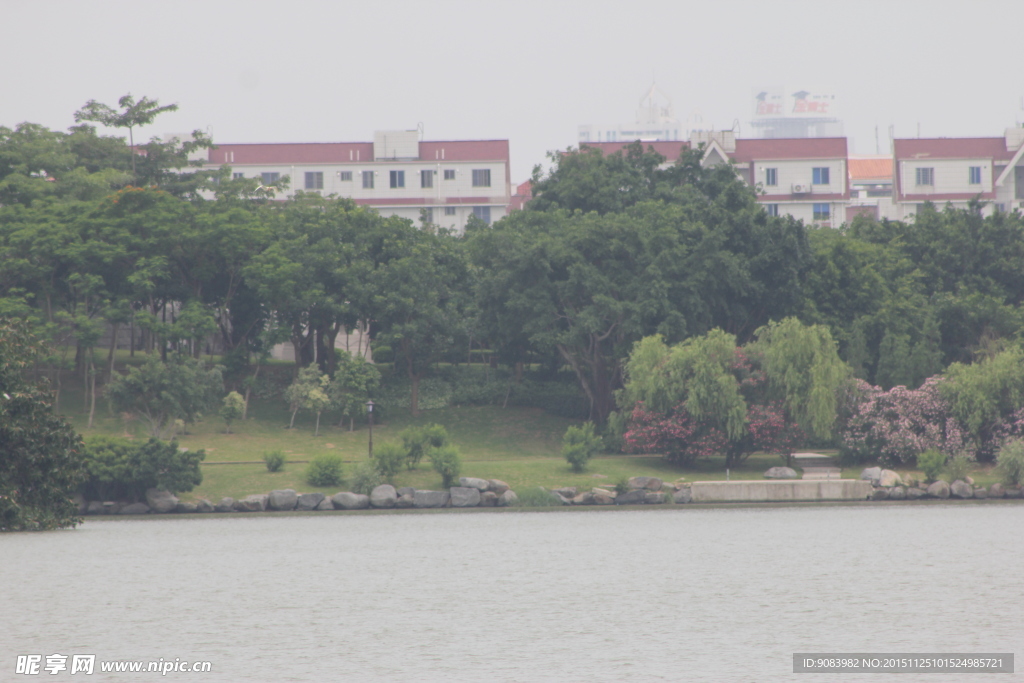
point(767, 491)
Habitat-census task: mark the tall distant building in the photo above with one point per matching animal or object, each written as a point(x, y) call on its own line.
point(655, 121)
point(799, 114)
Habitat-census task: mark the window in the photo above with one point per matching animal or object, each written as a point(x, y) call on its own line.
point(345, 176)
point(268, 178)
point(772, 209)
point(925, 176)
point(237, 176)
point(820, 175)
point(482, 212)
point(481, 177)
point(821, 212)
point(449, 174)
point(426, 178)
point(367, 180)
point(449, 211)
point(771, 176)
point(314, 180)
point(398, 179)
point(975, 175)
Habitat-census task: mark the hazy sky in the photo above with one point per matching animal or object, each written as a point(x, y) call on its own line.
point(527, 71)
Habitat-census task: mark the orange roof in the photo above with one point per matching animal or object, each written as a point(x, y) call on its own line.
point(870, 168)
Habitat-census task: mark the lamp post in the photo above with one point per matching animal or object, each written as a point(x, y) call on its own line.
point(369, 414)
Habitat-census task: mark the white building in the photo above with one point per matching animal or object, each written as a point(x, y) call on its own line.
point(655, 120)
point(396, 174)
point(957, 170)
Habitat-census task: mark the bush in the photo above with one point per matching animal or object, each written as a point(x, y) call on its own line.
point(231, 409)
point(1010, 462)
point(957, 467)
point(324, 470)
point(274, 460)
point(388, 459)
point(622, 486)
point(365, 478)
point(537, 497)
point(119, 469)
point(447, 463)
point(579, 445)
point(932, 462)
point(419, 440)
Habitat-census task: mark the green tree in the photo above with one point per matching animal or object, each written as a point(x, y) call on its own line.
point(986, 394)
point(131, 116)
point(447, 462)
point(310, 391)
point(579, 444)
point(182, 388)
point(119, 469)
point(354, 381)
point(41, 463)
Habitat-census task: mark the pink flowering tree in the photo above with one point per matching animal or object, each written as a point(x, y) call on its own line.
point(897, 425)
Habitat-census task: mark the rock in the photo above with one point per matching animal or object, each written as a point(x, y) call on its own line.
point(508, 499)
point(683, 495)
point(996, 491)
point(649, 483)
point(889, 478)
point(430, 499)
point(880, 494)
point(346, 500)
point(186, 507)
point(961, 489)
point(309, 501)
point(254, 503)
point(383, 496)
point(94, 508)
point(1014, 492)
point(464, 496)
point(585, 498)
point(915, 493)
point(969, 480)
point(203, 505)
point(225, 505)
point(325, 504)
point(781, 473)
point(939, 489)
point(161, 501)
point(897, 493)
point(603, 497)
point(654, 498)
point(406, 490)
point(488, 499)
point(568, 492)
point(563, 499)
point(497, 486)
point(406, 500)
point(474, 483)
point(134, 509)
point(980, 492)
point(111, 507)
point(872, 474)
point(634, 497)
point(282, 499)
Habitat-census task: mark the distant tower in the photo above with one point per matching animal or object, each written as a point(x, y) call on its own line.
point(655, 120)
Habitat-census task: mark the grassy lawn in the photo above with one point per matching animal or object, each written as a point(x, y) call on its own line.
point(521, 446)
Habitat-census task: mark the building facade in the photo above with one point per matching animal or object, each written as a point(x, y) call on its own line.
point(396, 174)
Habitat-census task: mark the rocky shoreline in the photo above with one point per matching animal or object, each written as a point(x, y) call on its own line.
point(493, 493)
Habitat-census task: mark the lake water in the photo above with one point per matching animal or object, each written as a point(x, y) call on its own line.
point(720, 594)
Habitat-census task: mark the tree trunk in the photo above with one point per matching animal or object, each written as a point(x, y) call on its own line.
point(92, 391)
point(110, 356)
point(316, 432)
point(291, 425)
point(519, 372)
point(415, 404)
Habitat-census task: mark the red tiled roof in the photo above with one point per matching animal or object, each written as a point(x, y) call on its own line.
point(347, 152)
point(789, 148)
point(870, 168)
point(952, 148)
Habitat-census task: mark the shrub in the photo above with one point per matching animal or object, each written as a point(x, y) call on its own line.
point(932, 462)
point(537, 497)
point(274, 460)
point(622, 486)
point(419, 440)
point(231, 409)
point(119, 469)
point(957, 467)
point(324, 470)
point(579, 445)
point(1010, 462)
point(447, 463)
point(388, 459)
point(365, 478)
